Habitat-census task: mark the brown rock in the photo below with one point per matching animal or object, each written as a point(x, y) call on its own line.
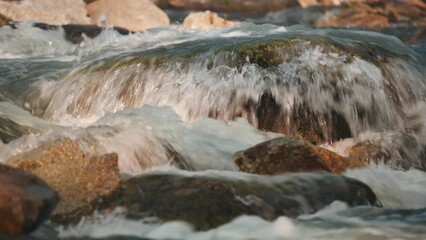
point(134, 15)
point(45, 11)
point(4, 20)
point(358, 15)
point(251, 7)
point(286, 154)
point(25, 201)
point(368, 152)
point(83, 182)
point(206, 20)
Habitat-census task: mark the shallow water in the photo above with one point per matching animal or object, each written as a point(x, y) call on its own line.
point(140, 94)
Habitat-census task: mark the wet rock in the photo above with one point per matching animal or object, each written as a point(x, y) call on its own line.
point(83, 182)
point(206, 20)
point(286, 154)
point(45, 11)
point(134, 15)
point(369, 152)
point(25, 201)
point(249, 7)
point(76, 33)
point(211, 199)
point(10, 130)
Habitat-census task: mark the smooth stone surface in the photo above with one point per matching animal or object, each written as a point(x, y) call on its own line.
point(25, 201)
point(206, 20)
point(45, 11)
point(134, 15)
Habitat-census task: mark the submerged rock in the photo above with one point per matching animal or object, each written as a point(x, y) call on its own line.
point(25, 201)
point(45, 11)
point(10, 130)
point(206, 20)
point(286, 154)
point(211, 199)
point(83, 182)
point(134, 15)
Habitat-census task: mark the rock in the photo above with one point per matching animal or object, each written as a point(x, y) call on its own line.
point(360, 15)
point(249, 7)
point(45, 11)
point(369, 152)
point(25, 201)
point(83, 182)
point(310, 3)
point(286, 154)
point(10, 130)
point(211, 199)
point(206, 20)
point(75, 33)
point(385, 13)
point(134, 15)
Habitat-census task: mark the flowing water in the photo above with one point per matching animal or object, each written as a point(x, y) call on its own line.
point(207, 95)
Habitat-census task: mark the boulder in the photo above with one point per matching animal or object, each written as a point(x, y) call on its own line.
point(287, 154)
point(45, 11)
point(206, 20)
point(83, 182)
point(212, 198)
point(249, 7)
point(134, 15)
point(25, 201)
point(369, 152)
point(10, 130)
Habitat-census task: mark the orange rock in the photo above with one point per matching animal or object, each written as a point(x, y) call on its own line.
point(286, 154)
point(134, 15)
point(83, 182)
point(206, 20)
point(46, 11)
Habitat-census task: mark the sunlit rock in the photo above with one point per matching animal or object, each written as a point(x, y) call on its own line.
point(83, 182)
point(211, 199)
point(134, 15)
point(285, 154)
point(10, 130)
point(206, 20)
point(376, 15)
point(25, 201)
point(45, 11)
